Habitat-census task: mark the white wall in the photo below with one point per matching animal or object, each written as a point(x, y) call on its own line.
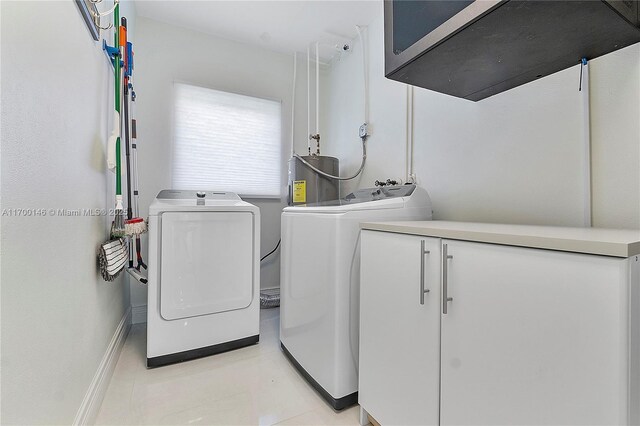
point(168, 53)
point(58, 315)
point(515, 157)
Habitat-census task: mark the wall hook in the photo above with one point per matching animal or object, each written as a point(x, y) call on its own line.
point(110, 11)
point(96, 20)
point(96, 15)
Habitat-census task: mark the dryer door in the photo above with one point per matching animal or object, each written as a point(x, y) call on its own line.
point(206, 263)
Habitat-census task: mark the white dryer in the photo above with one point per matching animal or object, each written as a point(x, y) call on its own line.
point(204, 275)
point(320, 282)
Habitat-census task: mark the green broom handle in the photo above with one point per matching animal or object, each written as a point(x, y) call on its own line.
point(116, 43)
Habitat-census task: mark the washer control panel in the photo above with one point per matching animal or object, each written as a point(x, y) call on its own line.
point(379, 193)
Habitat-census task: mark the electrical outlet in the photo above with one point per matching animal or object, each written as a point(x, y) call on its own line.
point(362, 131)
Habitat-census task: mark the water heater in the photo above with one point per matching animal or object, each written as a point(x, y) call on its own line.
point(307, 186)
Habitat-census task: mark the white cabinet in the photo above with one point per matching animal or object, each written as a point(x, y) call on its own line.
point(529, 336)
point(534, 337)
point(399, 336)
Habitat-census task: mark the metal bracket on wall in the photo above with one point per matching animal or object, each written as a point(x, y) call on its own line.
point(92, 15)
point(89, 10)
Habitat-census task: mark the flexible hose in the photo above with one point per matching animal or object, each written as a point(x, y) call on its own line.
point(271, 252)
point(330, 176)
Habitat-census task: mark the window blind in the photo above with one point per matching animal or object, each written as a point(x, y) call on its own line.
point(225, 141)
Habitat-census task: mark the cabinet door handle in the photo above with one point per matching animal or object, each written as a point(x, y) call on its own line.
point(445, 286)
point(422, 289)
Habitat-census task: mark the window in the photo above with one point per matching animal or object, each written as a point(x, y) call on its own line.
point(225, 141)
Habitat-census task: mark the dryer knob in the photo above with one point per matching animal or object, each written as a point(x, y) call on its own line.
point(201, 194)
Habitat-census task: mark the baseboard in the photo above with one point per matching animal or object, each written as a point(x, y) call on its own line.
point(90, 406)
point(138, 314)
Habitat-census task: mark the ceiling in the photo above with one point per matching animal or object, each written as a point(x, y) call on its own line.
point(283, 26)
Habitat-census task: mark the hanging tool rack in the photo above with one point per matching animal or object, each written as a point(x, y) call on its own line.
point(120, 56)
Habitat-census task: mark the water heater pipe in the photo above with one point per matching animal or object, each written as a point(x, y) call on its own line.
point(308, 101)
point(317, 94)
point(586, 134)
point(293, 100)
point(365, 71)
point(364, 137)
point(411, 178)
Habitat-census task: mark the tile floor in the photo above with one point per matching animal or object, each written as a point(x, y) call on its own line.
point(255, 385)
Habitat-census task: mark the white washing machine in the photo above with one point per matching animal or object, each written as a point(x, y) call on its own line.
point(320, 284)
point(204, 275)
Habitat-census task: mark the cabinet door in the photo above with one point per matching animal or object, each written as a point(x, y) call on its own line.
point(533, 337)
point(399, 336)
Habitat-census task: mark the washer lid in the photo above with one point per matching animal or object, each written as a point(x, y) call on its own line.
point(188, 200)
point(342, 208)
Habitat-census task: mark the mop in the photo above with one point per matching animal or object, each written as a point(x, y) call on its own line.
point(133, 226)
point(140, 226)
point(125, 98)
point(112, 257)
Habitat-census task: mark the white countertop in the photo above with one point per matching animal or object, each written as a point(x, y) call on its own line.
point(607, 242)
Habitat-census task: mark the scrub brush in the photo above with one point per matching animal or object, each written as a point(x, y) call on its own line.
point(135, 226)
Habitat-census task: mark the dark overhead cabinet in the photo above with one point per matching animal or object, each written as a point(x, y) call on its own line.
point(475, 49)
